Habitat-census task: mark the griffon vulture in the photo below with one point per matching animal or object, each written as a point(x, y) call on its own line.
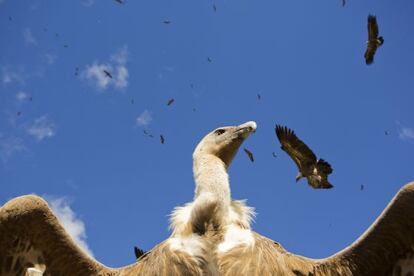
point(374, 41)
point(210, 236)
point(315, 170)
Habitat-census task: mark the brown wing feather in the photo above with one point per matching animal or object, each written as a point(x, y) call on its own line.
point(372, 28)
point(295, 148)
point(265, 257)
point(370, 52)
point(388, 240)
point(30, 235)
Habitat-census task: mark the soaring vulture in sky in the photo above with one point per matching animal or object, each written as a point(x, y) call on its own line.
point(374, 41)
point(33, 242)
point(315, 170)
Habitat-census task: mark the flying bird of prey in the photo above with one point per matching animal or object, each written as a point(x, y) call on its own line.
point(166, 22)
point(162, 139)
point(374, 41)
point(138, 252)
point(107, 74)
point(170, 101)
point(315, 170)
point(249, 154)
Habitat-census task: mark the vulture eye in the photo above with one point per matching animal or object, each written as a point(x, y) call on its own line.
point(219, 131)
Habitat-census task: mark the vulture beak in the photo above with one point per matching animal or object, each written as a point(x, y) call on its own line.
point(244, 130)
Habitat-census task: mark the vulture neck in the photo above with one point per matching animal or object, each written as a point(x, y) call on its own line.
point(212, 180)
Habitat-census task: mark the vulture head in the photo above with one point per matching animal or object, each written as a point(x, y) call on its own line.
point(224, 142)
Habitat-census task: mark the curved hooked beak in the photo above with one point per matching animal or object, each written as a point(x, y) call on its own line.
point(244, 130)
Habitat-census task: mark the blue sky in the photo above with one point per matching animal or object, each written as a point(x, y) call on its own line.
point(76, 137)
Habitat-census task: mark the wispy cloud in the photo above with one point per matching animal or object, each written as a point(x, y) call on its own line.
point(21, 96)
point(144, 119)
point(9, 76)
point(88, 3)
point(28, 37)
point(49, 58)
point(97, 73)
point(10, 146)
point(42, 128)
point(72, 224)
point(406, 133)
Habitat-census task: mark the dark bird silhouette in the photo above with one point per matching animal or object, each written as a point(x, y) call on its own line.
point(120, 1)
point(107, 74)
point(209, 59)
point(162, 139)
point(138, 252)
point(170, 101)
point(259, 97)
point(343, 3)
point(362, 187)
point(167, 22)
point(249, 154)
point(214, 8)
point(316, 171)
point(386, 132)
point(374, 41)
point(274, 154)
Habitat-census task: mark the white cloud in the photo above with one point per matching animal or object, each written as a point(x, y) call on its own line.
point(28, 37)
point(21, 96)
point(95, 74)
point(49, 58)
point(116, 67)
point(42, 128)
point(9, 76)
point(88, 3)
point(144, 119)
point(10, 146)
point(406, 133)
point(72, 224)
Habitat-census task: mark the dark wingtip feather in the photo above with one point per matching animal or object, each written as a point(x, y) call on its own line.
point(372, 18)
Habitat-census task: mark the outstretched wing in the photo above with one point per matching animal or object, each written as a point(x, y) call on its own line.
point(370, 52)
point(385, 248)
point(295, 148)
point(32, 238)
point(372, 39)
point(372, 28)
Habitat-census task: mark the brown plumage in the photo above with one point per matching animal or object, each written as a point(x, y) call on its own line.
point(374, 41)
point(249, 154)
point(316, 171)
point(31, 235)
